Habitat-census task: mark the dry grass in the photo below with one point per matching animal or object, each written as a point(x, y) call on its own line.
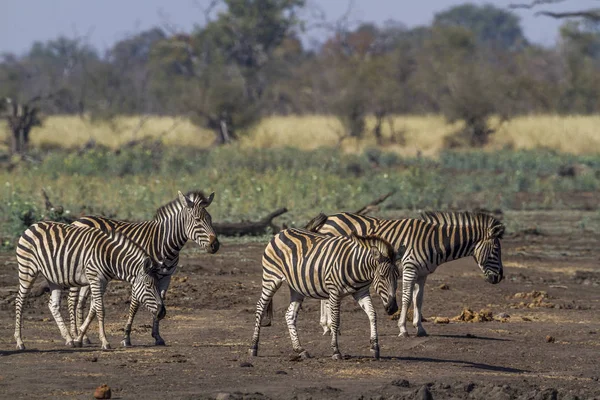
point(572, 134)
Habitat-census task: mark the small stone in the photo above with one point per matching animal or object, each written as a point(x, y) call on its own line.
point(444, 286)
point(281, 372)
point(469, 387)
point(246, 365)
point(102, 392)
point(526, 319)
point(550, 339)
point(424, 393)
point(441, 320)
point(222, 396)
point(401, 383)
point(503, 315)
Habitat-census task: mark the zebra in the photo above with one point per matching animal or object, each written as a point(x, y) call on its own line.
point(434, 239)
point(162, 238)
point(322, 267)
point(69, 256)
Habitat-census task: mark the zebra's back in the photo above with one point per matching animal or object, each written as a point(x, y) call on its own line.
point(58, 251)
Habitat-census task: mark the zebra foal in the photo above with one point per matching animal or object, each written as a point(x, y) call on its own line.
point(69, 256)
point(436, 238)
point(163, 237)
point(322, 267)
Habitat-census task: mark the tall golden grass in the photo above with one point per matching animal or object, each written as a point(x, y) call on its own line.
point(424, 134)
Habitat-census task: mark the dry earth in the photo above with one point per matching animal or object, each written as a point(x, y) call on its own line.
point(210, 322)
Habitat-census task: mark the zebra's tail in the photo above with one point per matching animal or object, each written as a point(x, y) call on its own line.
point(268, 315)
point(317, 222)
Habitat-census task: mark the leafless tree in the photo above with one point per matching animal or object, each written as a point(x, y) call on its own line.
point(592, 14)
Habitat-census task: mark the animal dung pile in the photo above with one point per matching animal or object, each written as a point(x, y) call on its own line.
point(468, 315)
point(533, 299)
point(102, 392)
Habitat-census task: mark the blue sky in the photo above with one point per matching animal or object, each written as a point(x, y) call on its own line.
point(106, 21)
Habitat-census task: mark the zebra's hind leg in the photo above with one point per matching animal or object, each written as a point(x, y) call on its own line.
point(291, 317)
point(133, 307)
point(54, 305)
point(84, 293)
point(26, 279)
point(364, 301)
point(408, 281)
point(72, 303)
point(325, 317)
point(418, 303)
point(163, 286)
point(269, 287)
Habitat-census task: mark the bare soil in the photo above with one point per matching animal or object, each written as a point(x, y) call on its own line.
point(543, 341)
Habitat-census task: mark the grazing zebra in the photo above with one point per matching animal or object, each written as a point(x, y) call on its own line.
point(434, 239)
point(322, 267)
point(69, 256)
point(163, 237)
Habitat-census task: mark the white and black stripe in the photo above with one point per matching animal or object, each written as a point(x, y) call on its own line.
point(69, 256)
point(322, 267)
point(163, 237)
point(434, 239)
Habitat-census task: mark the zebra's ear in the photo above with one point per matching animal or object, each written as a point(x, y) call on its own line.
point(206, 203)
point(184, 200)
point(148, 265)
point(498, 231)
point(400, 253)
point(375, 253)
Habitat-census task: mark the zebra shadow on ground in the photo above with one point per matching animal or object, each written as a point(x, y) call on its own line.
point(470, 336)
point(49, 351)
point(469, 364)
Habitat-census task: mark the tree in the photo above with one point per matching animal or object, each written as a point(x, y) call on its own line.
point(591, 14)
point(490, 25)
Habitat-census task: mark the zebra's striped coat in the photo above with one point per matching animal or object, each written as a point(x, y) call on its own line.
point(69, 256)
point(322, 267)
point(437, 238)
point(163, 237)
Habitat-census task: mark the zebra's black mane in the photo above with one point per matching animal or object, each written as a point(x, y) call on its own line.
point(389, 251)
point(193, 195)
point(465, 218)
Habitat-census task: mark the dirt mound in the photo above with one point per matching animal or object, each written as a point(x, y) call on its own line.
point(468, 315)
point(536, 298)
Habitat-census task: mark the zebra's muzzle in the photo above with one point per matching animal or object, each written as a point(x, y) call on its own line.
point(162, 312)
point(392, 307)
point(493, 278)
point(213, 245)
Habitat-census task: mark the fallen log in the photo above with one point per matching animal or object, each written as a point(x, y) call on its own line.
point(250, 228)
point(372, 206)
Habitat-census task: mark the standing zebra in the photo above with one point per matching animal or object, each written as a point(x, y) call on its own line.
point(330, 268)
point(69, 256)
point(163, 237)
point(433, 240)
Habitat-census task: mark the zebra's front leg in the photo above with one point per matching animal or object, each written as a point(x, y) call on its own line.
point(291, 317)
point(163, 286)
point(84, 293)
point(334, 310)
point(54, 305)
point(266, 300)
point(364, 301)
point(25, 283)
point(409, 277)
point(418, 303)
point(133, 307)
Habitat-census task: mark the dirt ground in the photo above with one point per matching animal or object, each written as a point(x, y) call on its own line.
point(552, 289)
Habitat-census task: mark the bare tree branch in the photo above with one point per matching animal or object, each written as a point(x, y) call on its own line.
point(593, 15)
point(534, 3)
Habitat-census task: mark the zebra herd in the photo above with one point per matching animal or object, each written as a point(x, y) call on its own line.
point(332, 257)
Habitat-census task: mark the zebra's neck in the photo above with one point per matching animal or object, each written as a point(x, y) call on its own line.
point(453, 242)
point(170, 235)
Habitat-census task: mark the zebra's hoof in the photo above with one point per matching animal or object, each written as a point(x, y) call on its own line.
point(252, 352)
point(106, 346)
point(77, 343)
point(87, 340)
point(159, 342)
point(403, 334)
point(375, 353)
point(70, 343)
point(422, 333)
point(126, 343)
point(21, 346)
point(337, 356)
point(304, 355)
